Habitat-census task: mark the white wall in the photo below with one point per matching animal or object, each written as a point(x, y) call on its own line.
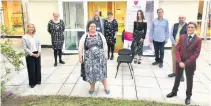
point(173, 8)
point(40, 12)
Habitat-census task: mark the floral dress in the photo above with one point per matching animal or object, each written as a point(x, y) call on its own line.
point(57, 37)
point(95, 60)
point(110, 30)
point(139, 33)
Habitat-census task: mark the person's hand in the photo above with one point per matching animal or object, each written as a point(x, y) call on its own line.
point(182, 65)
point(34, 55)
point(142, 40)
point(150, 41)
point(81, 60)
point(38, 54)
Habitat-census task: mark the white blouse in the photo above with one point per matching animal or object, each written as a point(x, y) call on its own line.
point(33, 43)
point(82, 40)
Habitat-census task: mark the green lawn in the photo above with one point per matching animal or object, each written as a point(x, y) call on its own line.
point(74, 101)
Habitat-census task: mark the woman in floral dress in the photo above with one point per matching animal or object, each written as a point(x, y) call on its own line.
point(111, 28)
point(93, 53)
point(139, 33)
point(56, 28)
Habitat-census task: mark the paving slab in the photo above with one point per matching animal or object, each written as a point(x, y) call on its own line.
point(66, 89)
point(150, 94)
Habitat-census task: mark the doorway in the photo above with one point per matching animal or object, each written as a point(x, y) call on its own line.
point(76, 13)
point(118, 9)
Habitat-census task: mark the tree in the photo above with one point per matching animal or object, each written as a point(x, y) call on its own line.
point(8, 54)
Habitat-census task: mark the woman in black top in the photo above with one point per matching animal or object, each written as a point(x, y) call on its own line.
point(139, 33)
point(111, 28)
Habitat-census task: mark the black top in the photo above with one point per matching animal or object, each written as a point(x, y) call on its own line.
point(140, 26)
point(110, 30)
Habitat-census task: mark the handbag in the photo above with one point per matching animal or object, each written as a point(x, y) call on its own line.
point(83, 75)
point(83, 71)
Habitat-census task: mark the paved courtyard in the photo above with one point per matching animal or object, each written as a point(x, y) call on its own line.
point(150, 82)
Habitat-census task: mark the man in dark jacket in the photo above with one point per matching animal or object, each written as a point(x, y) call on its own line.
point(178, 29)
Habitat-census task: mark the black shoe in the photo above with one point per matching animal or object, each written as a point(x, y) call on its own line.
point(61, 62)
point(160, 65)
point(112, 57)
point(32, 86)
point(38, 83)
point(154, 63)
point(187, 101)
point(135, 60)
point(139, 61)
point(182, 79)
point(55, 64)
point(172, 94)
point(172, 75)
point(108, 56)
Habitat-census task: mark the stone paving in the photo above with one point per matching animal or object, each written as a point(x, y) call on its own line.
point(150, 82)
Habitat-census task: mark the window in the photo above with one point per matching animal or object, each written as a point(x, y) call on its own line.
point(199, 17)
point(12, 15)
point(73, 13)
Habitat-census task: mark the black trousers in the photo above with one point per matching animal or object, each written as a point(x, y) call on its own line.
point(159, 51)
point(189, 71)
point(111, 49)
point(34, 69)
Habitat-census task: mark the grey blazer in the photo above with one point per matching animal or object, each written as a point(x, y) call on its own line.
point(102, 20)
point(27, 44)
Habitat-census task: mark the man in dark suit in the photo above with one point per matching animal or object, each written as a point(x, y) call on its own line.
point(178, 29)
point(187, 51)
point(99, 21)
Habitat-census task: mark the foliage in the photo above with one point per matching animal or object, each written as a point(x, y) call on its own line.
point(9, 54)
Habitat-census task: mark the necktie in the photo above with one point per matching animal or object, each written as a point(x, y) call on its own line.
point(189, 39)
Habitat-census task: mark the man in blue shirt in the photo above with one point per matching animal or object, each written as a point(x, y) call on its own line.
point(159, 35)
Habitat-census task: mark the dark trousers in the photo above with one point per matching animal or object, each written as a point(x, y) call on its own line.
point(56, 52)
point(189, 71)
point(34, 69)
point(159, 51)
point(111, 49)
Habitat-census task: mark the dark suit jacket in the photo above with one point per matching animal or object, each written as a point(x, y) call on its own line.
point(188, 53)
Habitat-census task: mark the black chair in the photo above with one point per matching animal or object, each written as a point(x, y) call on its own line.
point(125, 56)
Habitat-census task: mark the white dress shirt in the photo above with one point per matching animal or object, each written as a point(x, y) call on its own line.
point(191, 37)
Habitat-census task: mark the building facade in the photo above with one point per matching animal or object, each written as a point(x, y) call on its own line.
point(75, 13)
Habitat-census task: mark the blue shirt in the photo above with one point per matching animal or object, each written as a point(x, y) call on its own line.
point(159, 30)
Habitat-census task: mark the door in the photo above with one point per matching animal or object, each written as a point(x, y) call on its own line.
point(73, 16)
point(118, 9)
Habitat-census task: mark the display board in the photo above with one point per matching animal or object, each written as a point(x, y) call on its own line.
point(148, 9)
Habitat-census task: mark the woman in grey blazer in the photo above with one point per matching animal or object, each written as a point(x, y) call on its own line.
point(32, 48)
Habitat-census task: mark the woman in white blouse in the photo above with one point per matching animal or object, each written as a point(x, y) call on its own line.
point(32, 48)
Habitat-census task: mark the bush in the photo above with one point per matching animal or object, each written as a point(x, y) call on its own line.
point(10, 55)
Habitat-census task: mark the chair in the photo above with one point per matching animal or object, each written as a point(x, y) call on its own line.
point(125, 56)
